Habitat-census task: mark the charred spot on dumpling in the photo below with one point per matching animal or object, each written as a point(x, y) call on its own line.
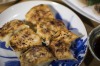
point(37, 55)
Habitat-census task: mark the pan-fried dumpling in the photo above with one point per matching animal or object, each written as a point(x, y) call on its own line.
point(36, 56)
point(38, 13)
point(49, 28)
point(9, 28)
point(60, 45)
point(24, 39)
point(61, 49)
point(67, 36)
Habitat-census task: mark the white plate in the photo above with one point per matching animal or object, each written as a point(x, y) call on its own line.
point(83, 9)
point(71, 20)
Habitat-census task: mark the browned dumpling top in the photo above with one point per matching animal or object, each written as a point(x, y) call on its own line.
point(24, 39)
point(61, 50)
point(36, 56)
point(50, 28)
point(38, 13)
point(67, 36)
point(9, 28)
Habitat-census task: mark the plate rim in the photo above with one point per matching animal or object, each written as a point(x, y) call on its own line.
point(80, 11)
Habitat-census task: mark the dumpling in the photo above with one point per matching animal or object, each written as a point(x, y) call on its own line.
point(36, 56)
point(37, 14)
point(49, 28)
point(60, 45)
point(11, 27)
point(67, 36)
point(61, 50)
point(24, 39)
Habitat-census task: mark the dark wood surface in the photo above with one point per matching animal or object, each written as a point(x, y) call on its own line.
point(89, 25)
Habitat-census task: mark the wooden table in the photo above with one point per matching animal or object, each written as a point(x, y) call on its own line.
point(89, 24)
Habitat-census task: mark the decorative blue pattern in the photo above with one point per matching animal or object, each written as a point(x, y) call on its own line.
point(64, 62)
point(78, 48)
point(2, 45)
point(58, 16)
point(12, 63)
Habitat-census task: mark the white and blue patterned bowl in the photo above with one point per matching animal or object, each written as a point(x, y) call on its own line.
point(71, 20)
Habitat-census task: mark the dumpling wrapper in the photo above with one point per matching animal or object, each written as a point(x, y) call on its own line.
point(10, 28)
point(36, 56)
point(61, 50)
point(37, 14)
point(24, 39)
point(50, 28)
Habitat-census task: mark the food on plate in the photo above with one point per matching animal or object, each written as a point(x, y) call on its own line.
point(96, 4)
point(49, 28)
point(36, 56)
point(60, 45)
point(61, 50)
point(67, 36)
point(24, 39)
point(9, 28)
point(93, 2)
point(97, 7)
point(39, 13)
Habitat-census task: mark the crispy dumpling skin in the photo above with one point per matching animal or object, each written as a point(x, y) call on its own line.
point(36, 56)
point(67, 36)
point(50, 28)
point(24, 39)
point(38, 13)
point(11, 27)
point(60, 45)
point(61, 50)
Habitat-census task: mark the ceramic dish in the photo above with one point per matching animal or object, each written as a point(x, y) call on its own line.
point(83, 9)
point(71, 20)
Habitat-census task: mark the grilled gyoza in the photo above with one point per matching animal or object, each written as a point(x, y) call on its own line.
point(38, 13)
point(50, 28)
point(36, 56)
point(61, 49)
point(9, 28)
point(24, 39)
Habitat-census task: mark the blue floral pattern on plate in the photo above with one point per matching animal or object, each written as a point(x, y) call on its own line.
point(78, 47)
